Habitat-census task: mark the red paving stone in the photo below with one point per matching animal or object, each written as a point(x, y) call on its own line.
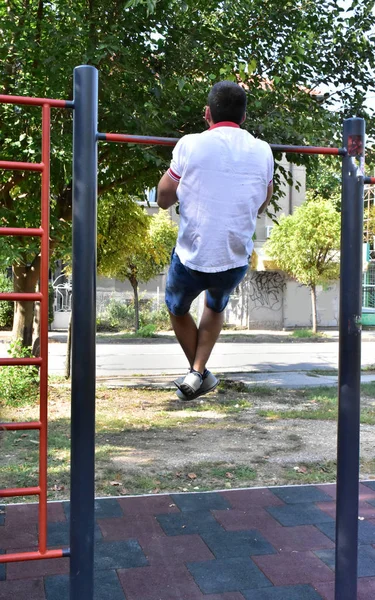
point(152, 583)
point(148, 505)
point(122, 529)
point(28, 514)
point(298, 539)
point(178, 548)
point(365, 590)
point(29, 589)
point(12, 537)
point(293, 568)
point(365, 510)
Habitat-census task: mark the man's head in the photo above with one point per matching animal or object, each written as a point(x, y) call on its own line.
point(226, 102)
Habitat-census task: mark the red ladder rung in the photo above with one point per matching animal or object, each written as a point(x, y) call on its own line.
point(20, 166)
point(18, 556)
point(20, 426)
point(30, 491)
point(6, 362)
point(21, 297)
point(21, 231)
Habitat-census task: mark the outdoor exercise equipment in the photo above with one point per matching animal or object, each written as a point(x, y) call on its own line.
point(85, 138)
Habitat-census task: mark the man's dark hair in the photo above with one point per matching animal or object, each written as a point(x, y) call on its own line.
point(227, 102)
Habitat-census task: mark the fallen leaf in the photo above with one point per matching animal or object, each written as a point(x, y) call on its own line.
point(192, 475)
point(115, 483)
point(229, 475)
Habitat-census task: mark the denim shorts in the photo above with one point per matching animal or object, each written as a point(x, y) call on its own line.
point(184, 285)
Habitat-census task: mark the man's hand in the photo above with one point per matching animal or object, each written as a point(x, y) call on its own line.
point(167, 188)
point(267, 200)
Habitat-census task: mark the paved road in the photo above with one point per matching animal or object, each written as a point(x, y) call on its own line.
point(167, 358)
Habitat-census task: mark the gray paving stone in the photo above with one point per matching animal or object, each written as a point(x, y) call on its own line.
point(119, 555)
point(366, 531)
point(2, 569)
point(366, 560)
point(300, 493)
point(237, 543)
point(298, 514)
point(106, 586)
point(197, 502)
point(286, 592)
point(105, 508)
point(227, 575)
point(188, 523)
point(59, 534)
point(370, 484)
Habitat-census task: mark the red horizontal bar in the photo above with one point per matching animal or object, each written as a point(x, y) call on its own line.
point(20, 426)
point(308, 149)
point(22, 556)
point(7, 362)
point(21, 297)
point(36, 101)
point(145, 139)
point(20, 166)
point(137, 139)
point(21, 231)
point(369, 180)
point(31, 491)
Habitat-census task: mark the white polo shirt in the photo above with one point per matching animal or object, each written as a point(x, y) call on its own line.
point(223, 176)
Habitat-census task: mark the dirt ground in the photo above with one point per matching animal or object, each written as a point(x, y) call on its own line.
point(148, 441)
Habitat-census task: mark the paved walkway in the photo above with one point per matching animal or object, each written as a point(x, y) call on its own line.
point(253, 544)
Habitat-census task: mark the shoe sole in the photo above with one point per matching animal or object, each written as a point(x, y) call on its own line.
point(198, 393)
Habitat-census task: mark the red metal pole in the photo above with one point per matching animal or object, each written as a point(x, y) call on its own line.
point(18, 556)
point(43, 374)
point(36, 101)
point(30, 491)
point(21, 231)
point(20, 361)
point(20, 166)
point(20, 426)
point(15, 296)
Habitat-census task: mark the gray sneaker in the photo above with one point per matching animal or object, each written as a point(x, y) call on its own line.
point(209, 383)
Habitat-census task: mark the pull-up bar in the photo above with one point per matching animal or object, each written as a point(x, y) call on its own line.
point(85, 138)
point(163, 141)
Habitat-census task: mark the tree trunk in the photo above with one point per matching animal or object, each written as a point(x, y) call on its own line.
point(134, 284)
point(36, 329)
point(68, 358)
point(25, 279)
point(313, 307)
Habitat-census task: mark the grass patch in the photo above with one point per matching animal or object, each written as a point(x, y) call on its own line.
point(311, 473)
point(306, 333)
point(321, 404)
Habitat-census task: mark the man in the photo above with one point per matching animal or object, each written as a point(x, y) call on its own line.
point(222, 179)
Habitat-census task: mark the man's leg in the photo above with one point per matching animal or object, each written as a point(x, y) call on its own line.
point(209, 329)
point(186, 333)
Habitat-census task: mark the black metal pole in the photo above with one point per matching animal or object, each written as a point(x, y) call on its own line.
point(82, 493)
point(349, 360)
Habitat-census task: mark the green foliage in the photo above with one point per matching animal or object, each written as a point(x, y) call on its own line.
point(6, 308)
point(305, 244)
point(119, 316)
point(147, 330)
point(19, 385)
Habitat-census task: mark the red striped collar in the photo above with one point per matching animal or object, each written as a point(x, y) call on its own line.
point(224, 124)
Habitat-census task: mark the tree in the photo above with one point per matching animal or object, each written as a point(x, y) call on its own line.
point(150, 256)
point(305, 245)
point(157, 61)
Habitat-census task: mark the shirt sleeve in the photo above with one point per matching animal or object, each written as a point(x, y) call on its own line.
point(177, 163)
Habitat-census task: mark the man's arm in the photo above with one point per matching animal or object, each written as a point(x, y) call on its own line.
point(167, 188)
point(267, 200)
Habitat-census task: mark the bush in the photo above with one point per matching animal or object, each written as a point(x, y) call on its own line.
point(147, 330)
point(19, 385)
point(160, 318)
point(120, 314)
point(6, 308)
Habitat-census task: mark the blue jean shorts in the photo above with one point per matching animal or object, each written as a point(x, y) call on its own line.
point(184, 285)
